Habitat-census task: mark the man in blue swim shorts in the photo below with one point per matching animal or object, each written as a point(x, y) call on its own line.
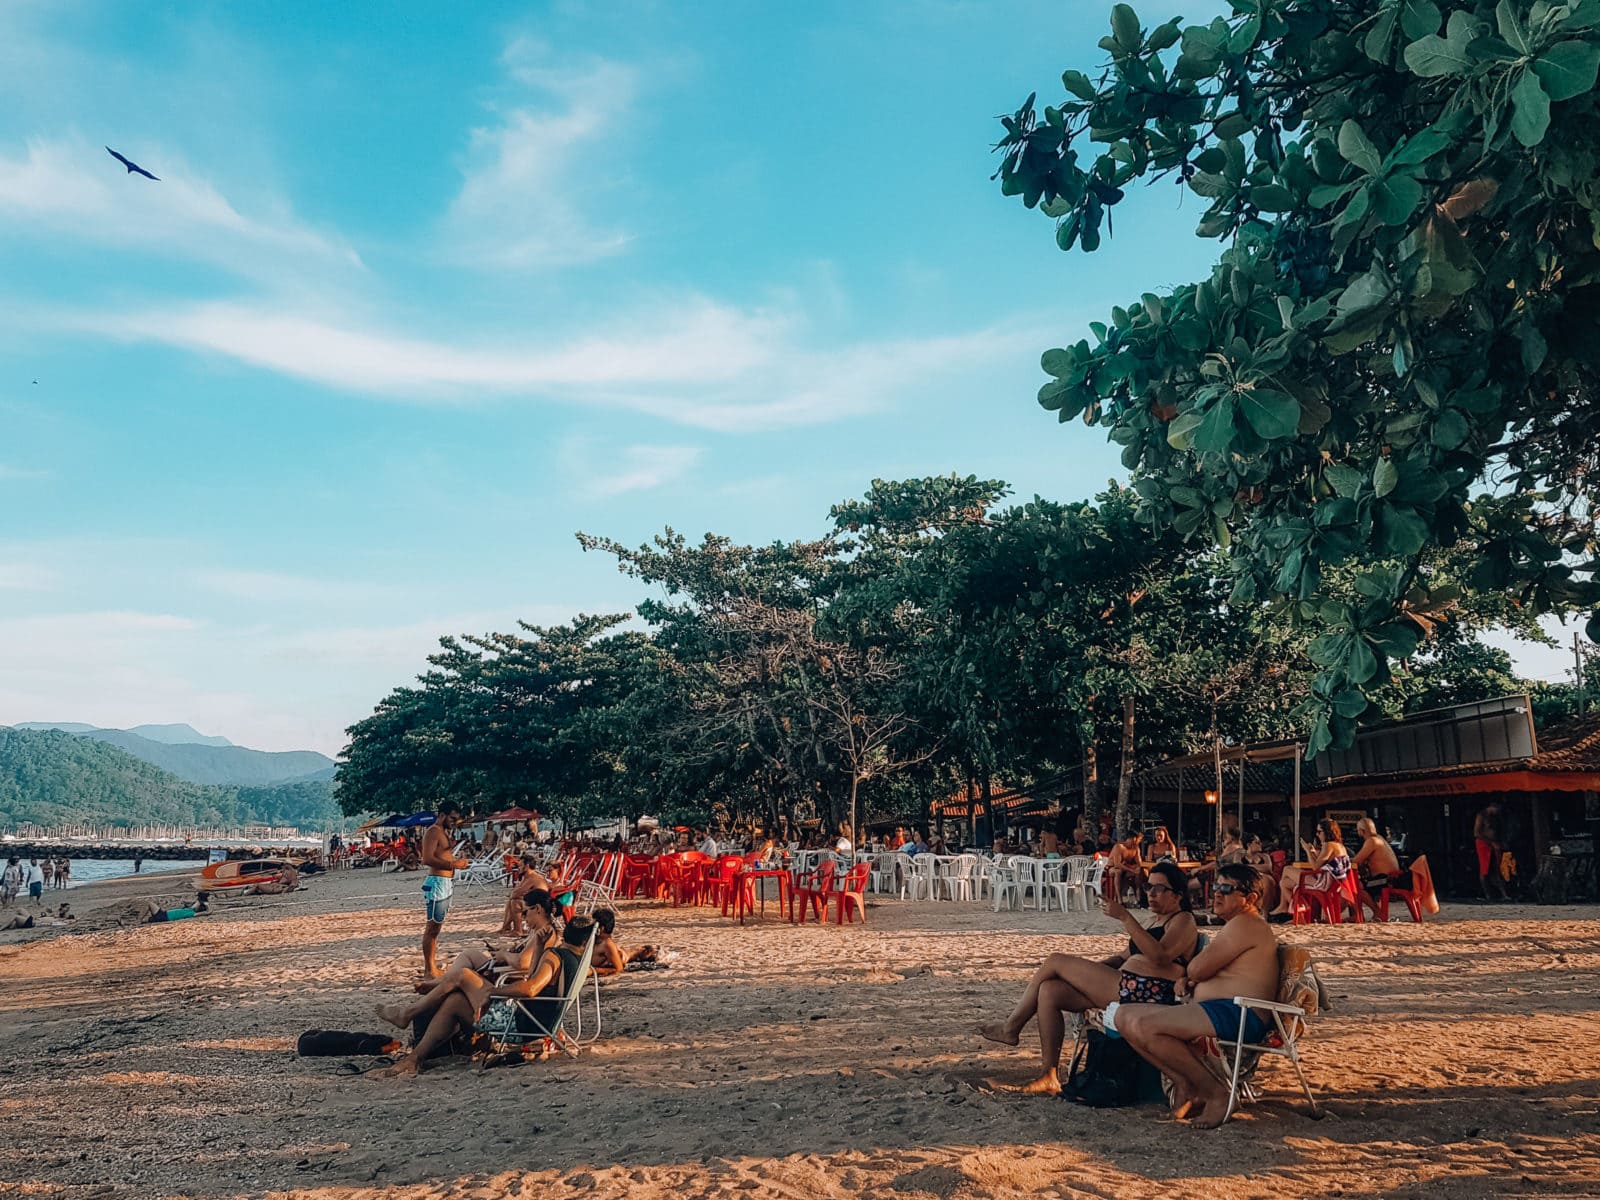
point(439, 857)
point(1241, 960)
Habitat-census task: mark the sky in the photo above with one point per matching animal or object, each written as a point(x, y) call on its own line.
point(425, 289)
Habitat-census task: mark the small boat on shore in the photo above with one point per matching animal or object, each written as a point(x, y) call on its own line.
point(242, 872)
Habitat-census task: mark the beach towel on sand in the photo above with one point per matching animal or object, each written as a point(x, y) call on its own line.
point(336, 1043)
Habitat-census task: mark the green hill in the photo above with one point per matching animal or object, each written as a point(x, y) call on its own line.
point(201, 759)
point(48, 777)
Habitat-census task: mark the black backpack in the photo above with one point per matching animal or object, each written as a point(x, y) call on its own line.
point(1108, 1073)
point(335, 1043)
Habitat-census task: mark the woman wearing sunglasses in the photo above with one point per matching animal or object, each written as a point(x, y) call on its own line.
point(1146, 974)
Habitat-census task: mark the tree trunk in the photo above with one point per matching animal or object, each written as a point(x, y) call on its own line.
point(855, 829)
point(1124, 811)
point(988, 809)
point(1092, 808)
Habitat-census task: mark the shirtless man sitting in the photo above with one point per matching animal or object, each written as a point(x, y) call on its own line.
point(1241, 960)
point(1125, 871)
point(1378, 865)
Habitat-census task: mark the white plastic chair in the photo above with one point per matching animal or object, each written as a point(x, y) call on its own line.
point(917, 878)
point(1004, 884)
point(957, 878)
point(1069, 889)
point(1093, 882)
point(490, 868)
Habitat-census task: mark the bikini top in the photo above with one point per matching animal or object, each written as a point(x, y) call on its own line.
point(1155, 931)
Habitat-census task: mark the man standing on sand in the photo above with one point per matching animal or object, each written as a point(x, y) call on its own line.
point(1487, 840)
point(1241, 960)
point(10, 882)
point(36, 882)
point(442, 864)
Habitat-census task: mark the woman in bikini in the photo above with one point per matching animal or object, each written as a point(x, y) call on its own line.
point(1330, 863)
point(494, 965)
point(1146, 974)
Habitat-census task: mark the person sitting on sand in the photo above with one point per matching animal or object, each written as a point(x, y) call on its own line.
point(1378, 864)
point(1146, 974)
point(1241, 960)
point(609, 956)
point(1330, 863)
point(455, 1010)
point(494, 964)
point(287, 880)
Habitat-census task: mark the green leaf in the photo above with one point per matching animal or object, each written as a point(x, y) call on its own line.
point(1271, 414)
point(1057, 362)
point(1272, 197)
point(1433, 55)
point(1356, 148)
point(1214, 433)
point(1530, 114)
point(1346, 481)
point(1384, 477)
point(1404, 531)
point(1395, 198)
point(1166, 35)
point(1125, 28)
point(1180, 430)
point(1398, 639)
point(1078, 84)
point(1450, 430)
point(1505, 19)
point(1362, 664)
point(1591, 627)
point(1568, 69)
point(1349, 703)
point(1419, 18)
point(1245, 36)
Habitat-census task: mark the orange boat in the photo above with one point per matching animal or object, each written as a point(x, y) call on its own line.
point(241, 872)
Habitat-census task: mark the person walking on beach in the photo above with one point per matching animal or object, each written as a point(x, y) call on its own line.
point(10, 882)
point(1487, 840)
point(138, 863)
point(442, 865)
point(64, 873)
point(36, 882)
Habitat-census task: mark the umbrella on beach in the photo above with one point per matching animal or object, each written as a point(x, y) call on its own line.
point(414, 820)
point(515, 813)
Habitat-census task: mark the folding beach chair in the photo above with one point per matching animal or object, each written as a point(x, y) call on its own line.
point(1298, 1000)
point(529, 1027)
point(488, 868)
point(601, 891)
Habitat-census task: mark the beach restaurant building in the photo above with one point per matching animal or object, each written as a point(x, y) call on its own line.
point(1423, 780)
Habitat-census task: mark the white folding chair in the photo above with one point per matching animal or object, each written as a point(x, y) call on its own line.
point(1297, 1001)
point(555, 1029)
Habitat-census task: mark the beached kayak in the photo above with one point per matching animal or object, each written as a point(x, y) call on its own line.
point(244, 872)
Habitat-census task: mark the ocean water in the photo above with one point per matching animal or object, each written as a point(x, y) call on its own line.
point(87, 870)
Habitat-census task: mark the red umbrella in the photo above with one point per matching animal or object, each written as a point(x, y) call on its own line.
point(514, 814)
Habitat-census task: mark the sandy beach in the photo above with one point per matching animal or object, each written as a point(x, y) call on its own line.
point(1459, 1060)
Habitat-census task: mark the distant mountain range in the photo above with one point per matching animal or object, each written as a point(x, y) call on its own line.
point(50, 777)
point(196, 757)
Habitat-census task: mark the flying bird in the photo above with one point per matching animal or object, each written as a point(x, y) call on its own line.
point(133, 167)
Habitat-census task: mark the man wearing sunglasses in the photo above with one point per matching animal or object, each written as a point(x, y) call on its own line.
point(1241, 960)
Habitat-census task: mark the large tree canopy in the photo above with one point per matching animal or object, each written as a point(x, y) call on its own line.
point(1397, 351)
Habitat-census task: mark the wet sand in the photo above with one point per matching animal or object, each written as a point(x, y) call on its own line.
point(1459, 1060)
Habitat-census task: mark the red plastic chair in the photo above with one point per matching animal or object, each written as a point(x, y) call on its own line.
point(1413, 905)
point(849, 897)
point(812, 890)
point(722, 882)
point(1328, 902)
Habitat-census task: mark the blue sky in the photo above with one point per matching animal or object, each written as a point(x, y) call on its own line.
point(426, 288)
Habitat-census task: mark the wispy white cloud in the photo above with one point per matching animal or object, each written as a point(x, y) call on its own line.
point(703, 365)
point(26, 577)
point(519, 203)
point(72, 187)
point(600, 474)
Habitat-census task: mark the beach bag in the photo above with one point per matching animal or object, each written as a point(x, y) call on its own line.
point(336, 1043)
point(1108, 1073)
